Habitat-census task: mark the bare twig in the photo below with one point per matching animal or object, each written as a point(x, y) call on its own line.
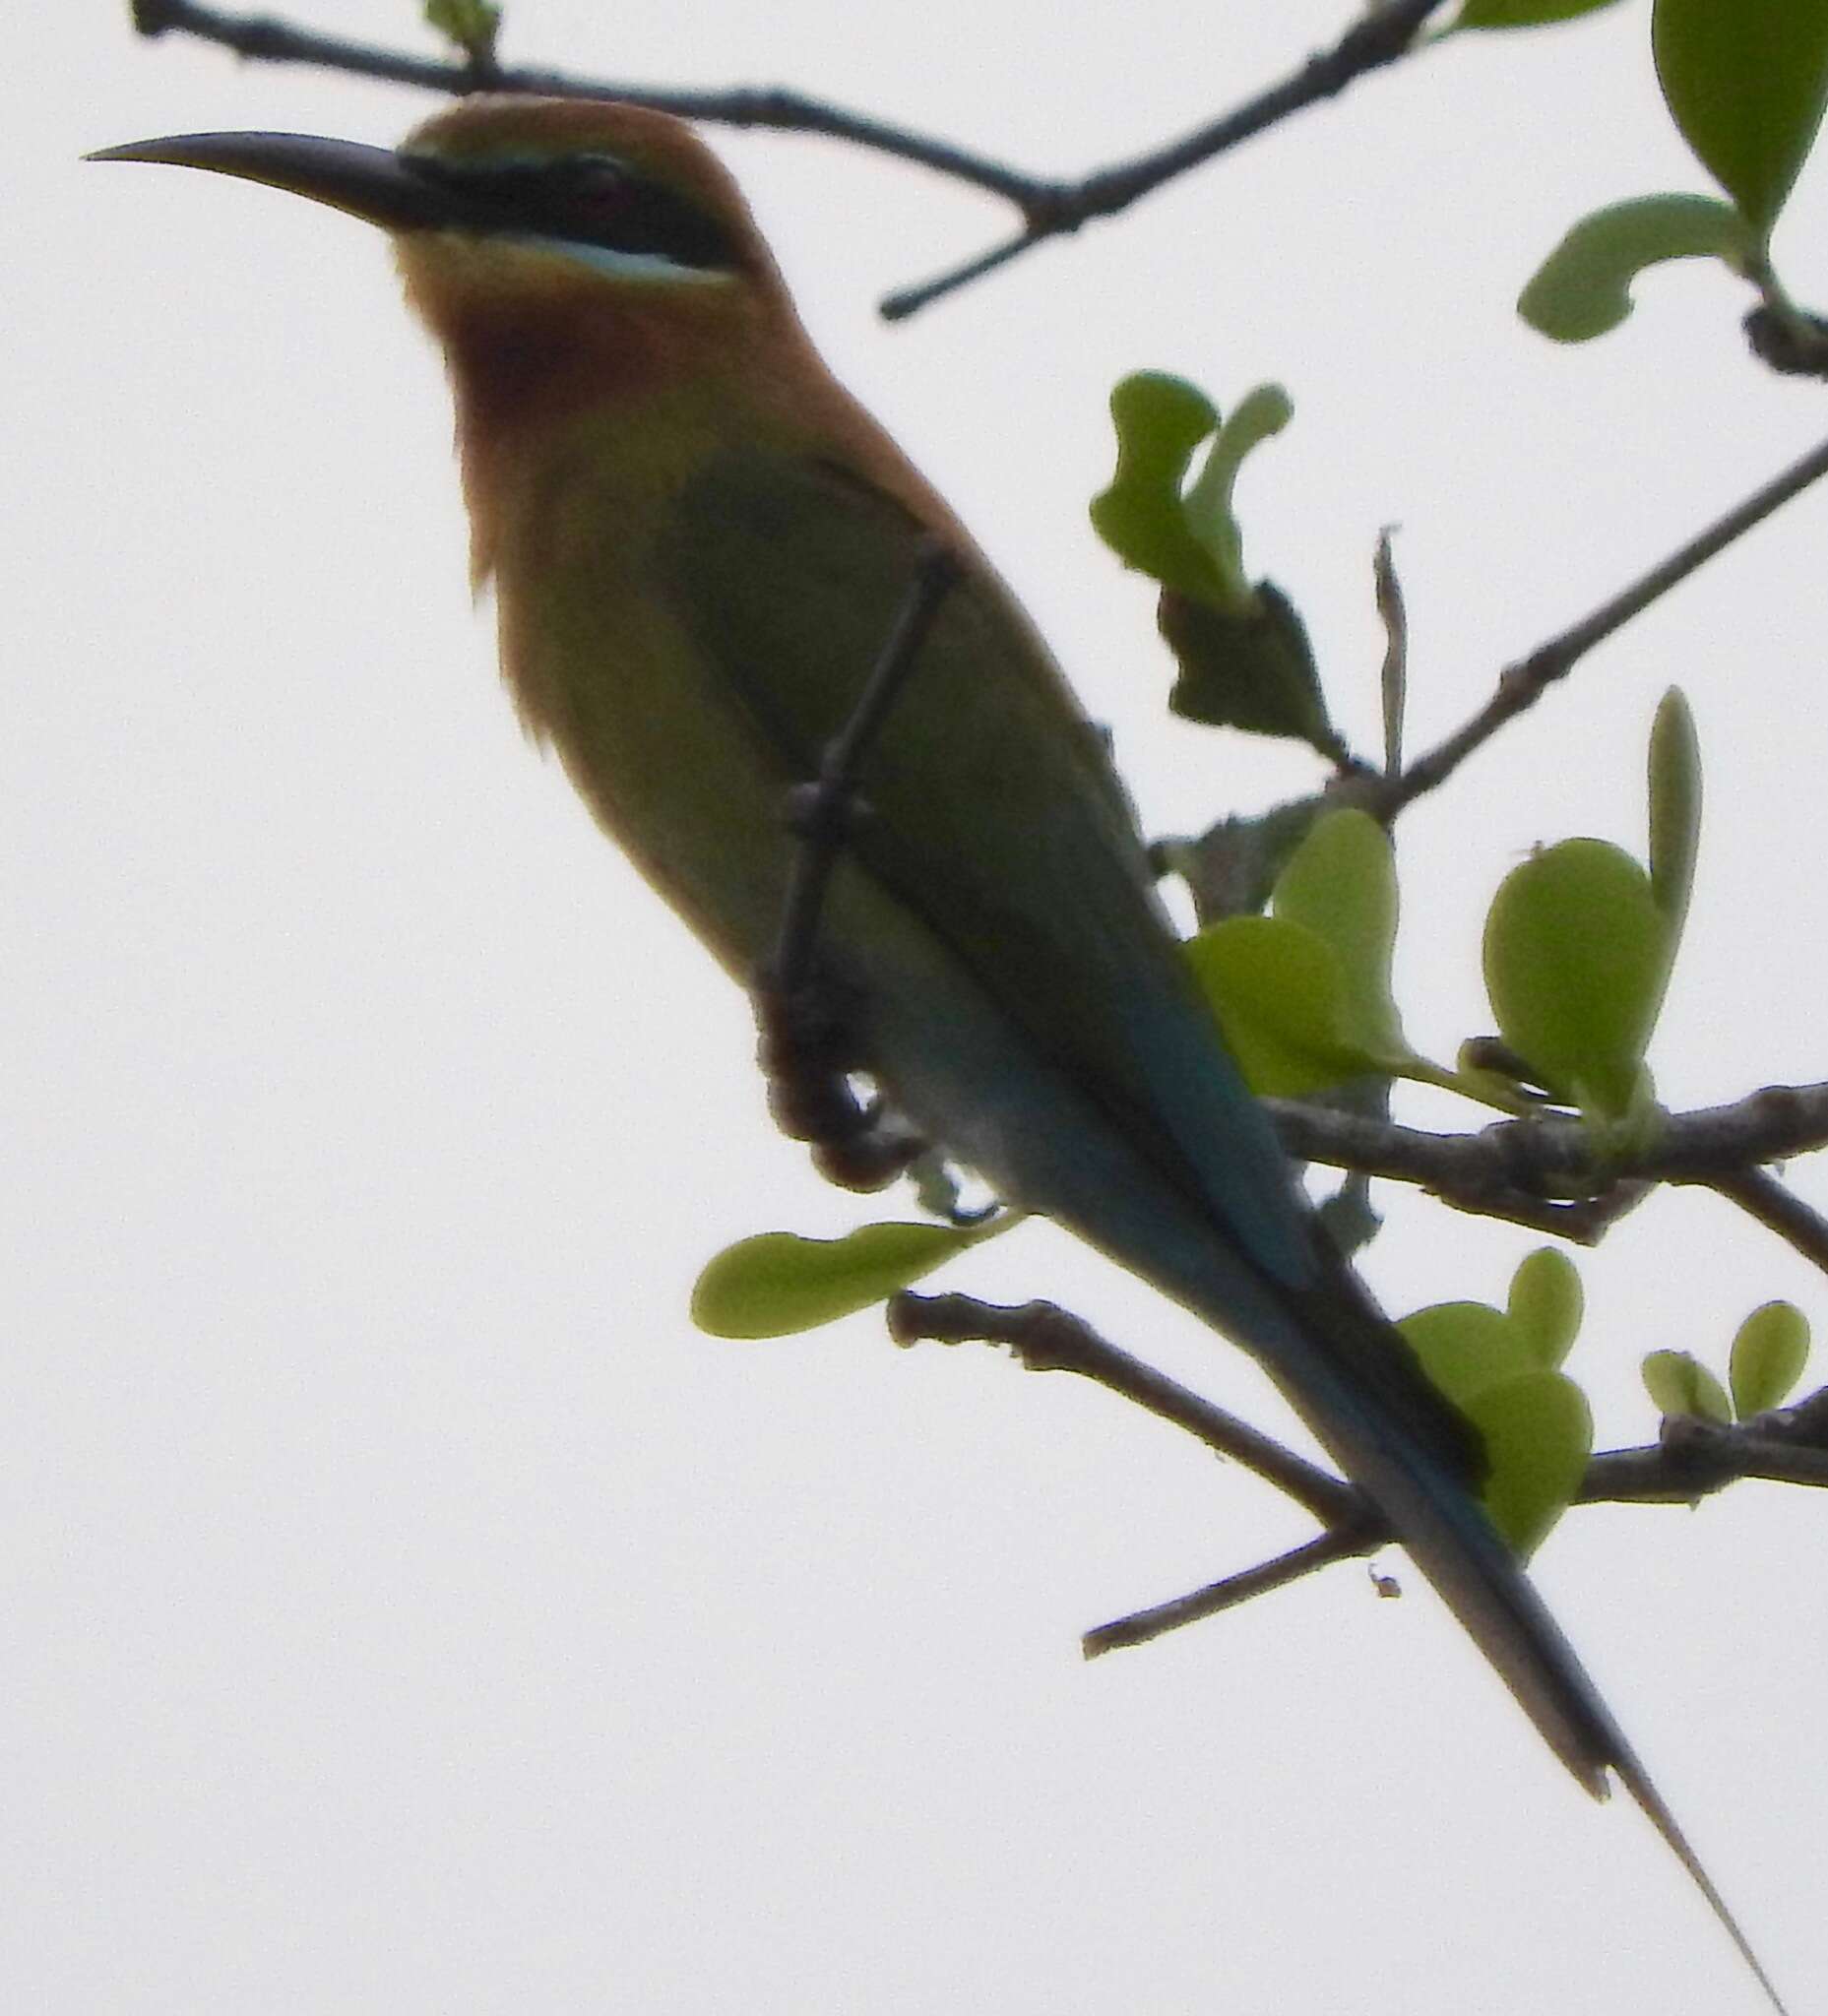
point(1341, 1543)
point(1759, 1193)
point(1523, 684)
point(1380, 36)
point(1393, 679)
point(1692, 1459)
point(1047, 1339)
point(265, 38)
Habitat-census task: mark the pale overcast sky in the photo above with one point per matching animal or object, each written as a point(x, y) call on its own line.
point(405, 1608)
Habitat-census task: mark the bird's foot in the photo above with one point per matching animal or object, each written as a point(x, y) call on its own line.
point(809, 1054)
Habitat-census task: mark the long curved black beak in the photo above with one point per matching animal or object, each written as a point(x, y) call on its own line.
point(369, 182)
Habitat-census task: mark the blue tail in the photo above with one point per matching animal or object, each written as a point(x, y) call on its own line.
point(1316, 1355)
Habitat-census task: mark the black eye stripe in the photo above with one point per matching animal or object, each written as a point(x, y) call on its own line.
point(584, 200)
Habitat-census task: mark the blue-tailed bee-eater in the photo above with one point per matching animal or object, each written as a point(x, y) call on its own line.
point(698, 541)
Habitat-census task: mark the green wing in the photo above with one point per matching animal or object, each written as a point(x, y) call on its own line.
point(994, 813)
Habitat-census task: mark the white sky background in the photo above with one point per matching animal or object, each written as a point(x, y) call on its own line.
point(403, 1607)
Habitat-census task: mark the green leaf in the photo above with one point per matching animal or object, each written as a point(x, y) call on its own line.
point(1583, 288)
point(1186, 534)
point(1277, 990)
point(1679, 1384)
point(1159, 422)
point(1534, 1421)
point(1577, 957)
point(1247, 666)
point(1745, 81)
point(1341, 883)
point(1304, 996)
point(779, 1283)
point(1467, 1347)
point(473, 25)
point(1265, 409)
point(1674, 809)
point(1522, 13)
point(1545, 1303)
point(1768, 1355)
point(1538, 1431)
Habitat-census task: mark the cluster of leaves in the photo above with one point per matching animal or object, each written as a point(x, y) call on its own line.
point(1746, 83)
point(1501, 1367)
point(1579, 943)
point(1244, 656)
point(1768, 1354)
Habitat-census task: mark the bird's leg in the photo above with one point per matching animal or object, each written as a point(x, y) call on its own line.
point(807, 1052)
point(808, 1047)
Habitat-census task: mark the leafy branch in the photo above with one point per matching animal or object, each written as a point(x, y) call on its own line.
point(1692, 1460)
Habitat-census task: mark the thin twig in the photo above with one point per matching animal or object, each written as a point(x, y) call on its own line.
point(1759, 1194)
point(1693, 1460)
point(265, 38)
point(1047, 1339)
point(1523, 684)
point(1393, 679)
point(1379, 37)
point(1339, 1545)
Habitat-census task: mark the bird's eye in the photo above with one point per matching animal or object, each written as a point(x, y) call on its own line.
point(590, 178)
point(589, 199)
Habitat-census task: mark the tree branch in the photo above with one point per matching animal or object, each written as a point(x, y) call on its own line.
point(1520, 685)
point(1691, 1459)
point(1759, 1193)
point(1341, 1544)
point(1540, 1171)
point(1047, 208)
point(1380, 36)
point(1048, 1339)
point(265, 38)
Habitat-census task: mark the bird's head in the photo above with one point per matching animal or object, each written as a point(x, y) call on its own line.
point(549, 243)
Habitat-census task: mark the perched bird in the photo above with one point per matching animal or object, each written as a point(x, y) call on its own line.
point(698, 543)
